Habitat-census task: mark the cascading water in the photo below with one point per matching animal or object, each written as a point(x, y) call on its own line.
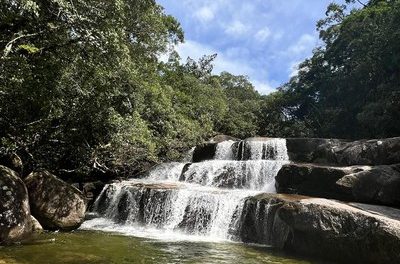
point(195, 201)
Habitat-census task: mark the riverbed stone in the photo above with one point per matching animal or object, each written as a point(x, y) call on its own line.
point(54, 203)
point(348, 233)
point(15, 222)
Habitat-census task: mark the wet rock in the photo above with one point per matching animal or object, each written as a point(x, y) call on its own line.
point(366, 184)
point(15, 222)
point(91, 191)
point(342, 152)
point(196, 219)
point(204, 152)
point(36, 226)
point(135, 201)
point(182, 177)
point(350, 233)
point(55, 203)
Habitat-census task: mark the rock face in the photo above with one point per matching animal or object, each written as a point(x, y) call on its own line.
point(15, 222)
point(36, 226)
point(204, 151)
point(375, 185)
point(54, 203)
point(341, 152)
point(135, 202)
point(91, 190)
point(350, 233)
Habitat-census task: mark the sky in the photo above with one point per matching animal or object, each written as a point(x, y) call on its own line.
point(263, 39)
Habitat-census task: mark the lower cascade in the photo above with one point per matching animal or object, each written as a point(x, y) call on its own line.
point(199, 201)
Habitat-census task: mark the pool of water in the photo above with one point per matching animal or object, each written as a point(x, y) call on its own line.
point(87, 247)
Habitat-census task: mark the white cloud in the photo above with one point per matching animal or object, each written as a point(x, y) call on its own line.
point(263, 34)
point(204, 14)
point(304, 44)
point(294, 68)
point(263, 87)
point(196, 50)
point(224, 62)
point(236, 28)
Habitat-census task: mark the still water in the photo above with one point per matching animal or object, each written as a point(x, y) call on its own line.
point(87, 247)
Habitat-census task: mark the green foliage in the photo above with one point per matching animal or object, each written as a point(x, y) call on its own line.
point(82, 88)
point(350, 88)
point(243, 106)
point(77, 80)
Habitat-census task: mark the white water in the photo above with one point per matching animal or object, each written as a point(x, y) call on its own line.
point(224, 151)
point(270, 149)
point(205, 205)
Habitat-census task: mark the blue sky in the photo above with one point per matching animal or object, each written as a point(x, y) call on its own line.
point(263, 39)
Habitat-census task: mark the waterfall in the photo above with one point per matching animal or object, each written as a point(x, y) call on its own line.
point(200, 201)
point(224, 150)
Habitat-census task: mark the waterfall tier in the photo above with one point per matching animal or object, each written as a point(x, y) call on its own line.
point(203, 199)
point(272, 149)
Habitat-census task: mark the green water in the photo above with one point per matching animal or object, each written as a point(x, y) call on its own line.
point(83, 247)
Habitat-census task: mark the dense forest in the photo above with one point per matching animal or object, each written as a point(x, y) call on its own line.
point(82, 86)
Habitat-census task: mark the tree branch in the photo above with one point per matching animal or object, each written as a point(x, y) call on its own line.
point(8, 47)
point(361, 3)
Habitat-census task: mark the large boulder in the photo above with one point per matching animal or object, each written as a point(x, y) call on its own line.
point(376, 184)
point(342, 152)
point(15, 221)
point(347, 233)
point(54, 203)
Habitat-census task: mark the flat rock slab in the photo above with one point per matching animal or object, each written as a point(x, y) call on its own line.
point(349, 233)
point(365, 184)
point(342, 152)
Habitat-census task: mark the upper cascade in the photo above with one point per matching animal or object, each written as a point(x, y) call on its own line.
point(269, 149)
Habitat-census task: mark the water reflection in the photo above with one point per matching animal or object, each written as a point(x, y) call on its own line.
point(97, 248)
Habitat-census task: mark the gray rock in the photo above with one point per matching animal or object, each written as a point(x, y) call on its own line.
point(366, 184)
point(91, 191)
point(342, 152)
point(36, 226)
point(323, 228)
point(15, 223)
point(205, 151)
point(54, 203)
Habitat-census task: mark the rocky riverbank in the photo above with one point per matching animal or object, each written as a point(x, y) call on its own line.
point(39, 201)
point(335, 199)
point(305, 217)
